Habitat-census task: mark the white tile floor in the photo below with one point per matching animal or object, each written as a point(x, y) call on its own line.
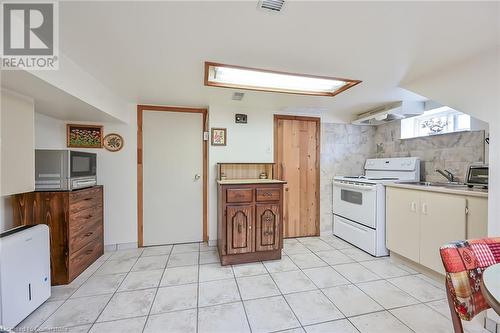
point(322, 284)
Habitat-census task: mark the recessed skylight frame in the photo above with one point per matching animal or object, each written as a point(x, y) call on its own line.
point(239, 77)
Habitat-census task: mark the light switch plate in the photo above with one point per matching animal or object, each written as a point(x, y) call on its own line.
point(206, 136)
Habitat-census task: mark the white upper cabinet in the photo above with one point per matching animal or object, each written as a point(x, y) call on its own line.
point(17, 137)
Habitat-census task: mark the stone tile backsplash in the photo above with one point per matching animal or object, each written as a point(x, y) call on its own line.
point(453, 151)
point(345, 148)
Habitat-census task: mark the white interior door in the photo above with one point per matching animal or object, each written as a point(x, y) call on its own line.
point(172, 177)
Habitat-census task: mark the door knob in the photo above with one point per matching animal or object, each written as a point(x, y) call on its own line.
point(197, 176)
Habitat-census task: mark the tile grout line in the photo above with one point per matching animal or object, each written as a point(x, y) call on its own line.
point(358, 262)
point(283, 296)
point(65, 300)
point(241, 298)
point(384, 309)
point(328, 298)
point(157, 288)
point(298, 268)
point(198, 292)
point(114, 293)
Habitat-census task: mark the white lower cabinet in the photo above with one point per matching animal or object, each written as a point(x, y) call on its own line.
point(442, 220)
point(403, 222)
point(419, 222)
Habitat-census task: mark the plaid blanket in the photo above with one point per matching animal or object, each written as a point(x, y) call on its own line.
point(464, 262)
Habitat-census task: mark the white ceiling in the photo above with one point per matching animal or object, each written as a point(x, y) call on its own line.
point(52, 101)
point(153, 52)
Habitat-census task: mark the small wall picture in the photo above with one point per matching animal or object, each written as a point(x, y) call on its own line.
point(113, 142)
point(84, 136)
point(219, 137)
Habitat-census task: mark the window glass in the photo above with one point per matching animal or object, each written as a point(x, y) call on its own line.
point(437, 121)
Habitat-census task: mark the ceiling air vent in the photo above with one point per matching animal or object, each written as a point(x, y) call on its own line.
point(238, 96)
point(271, 5)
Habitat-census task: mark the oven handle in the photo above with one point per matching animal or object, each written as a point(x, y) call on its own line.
point(356, 187)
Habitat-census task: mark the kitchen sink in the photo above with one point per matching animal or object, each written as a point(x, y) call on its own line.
point(436, 184)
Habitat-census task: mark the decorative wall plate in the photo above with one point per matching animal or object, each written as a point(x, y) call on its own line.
point(113, 142)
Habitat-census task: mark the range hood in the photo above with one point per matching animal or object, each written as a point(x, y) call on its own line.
point(387, 113)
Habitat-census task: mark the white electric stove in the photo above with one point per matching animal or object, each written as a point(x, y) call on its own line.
point(359, 201)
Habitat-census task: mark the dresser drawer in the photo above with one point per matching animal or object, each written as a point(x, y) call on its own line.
point(81, 235)
point(85, 216)
point(267, 194)
point(84, 257)
point(239, 195)
point(83, 199)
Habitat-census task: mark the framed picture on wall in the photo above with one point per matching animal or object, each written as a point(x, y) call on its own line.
point(219, 137)
point(83, 136)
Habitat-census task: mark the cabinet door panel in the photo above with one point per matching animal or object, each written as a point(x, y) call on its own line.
point(477, 219)
point(240, 222)
point(402, 222)
point(442, 220)
point(268, 227)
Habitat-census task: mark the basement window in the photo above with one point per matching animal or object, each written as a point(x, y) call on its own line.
point(229, 76)
point(437, 121)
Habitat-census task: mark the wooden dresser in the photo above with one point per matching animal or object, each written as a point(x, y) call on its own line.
point(250, 223)
point(76, 227)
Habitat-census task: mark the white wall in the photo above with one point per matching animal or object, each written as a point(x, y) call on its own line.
point(472, 87)
point(251, 142)
point(116, 171)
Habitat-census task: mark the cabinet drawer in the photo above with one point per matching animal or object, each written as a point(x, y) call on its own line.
point(239, 195)
point(82, 234)
point(85, 216)
point(81, 200)
point(267, 194)
point(84, 257)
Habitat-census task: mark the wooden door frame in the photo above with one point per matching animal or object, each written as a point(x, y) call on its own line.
point(140, 189)
point(317, 120)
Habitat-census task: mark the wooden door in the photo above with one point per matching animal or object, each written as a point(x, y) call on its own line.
point(442, 220)
point(267, 228)
point(403, 222)
point(240, 233)
point(297, 142)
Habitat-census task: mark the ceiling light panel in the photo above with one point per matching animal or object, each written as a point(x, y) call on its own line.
point(228, 76)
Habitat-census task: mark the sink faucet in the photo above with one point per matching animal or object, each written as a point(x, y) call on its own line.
point(446, 174)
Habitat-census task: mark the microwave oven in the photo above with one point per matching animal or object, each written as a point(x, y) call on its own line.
point(64, 170)
point(478, 175)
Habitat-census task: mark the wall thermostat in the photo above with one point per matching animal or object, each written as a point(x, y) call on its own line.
point(240, 118)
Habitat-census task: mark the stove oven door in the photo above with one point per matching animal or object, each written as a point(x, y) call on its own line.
point(356, 202)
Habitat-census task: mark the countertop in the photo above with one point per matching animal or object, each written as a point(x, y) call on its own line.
point(249, 181)
point(470, 192)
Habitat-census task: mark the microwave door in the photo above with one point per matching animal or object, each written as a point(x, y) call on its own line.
point(51, 169)
point(82, 164)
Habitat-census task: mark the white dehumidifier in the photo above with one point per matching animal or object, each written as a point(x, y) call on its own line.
point(24, 272)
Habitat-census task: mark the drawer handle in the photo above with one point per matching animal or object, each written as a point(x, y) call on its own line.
point(88, 216)
point(87, 199)
point(267, 233)
point(89, 251)
point(267, 194)
point(88, 234)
